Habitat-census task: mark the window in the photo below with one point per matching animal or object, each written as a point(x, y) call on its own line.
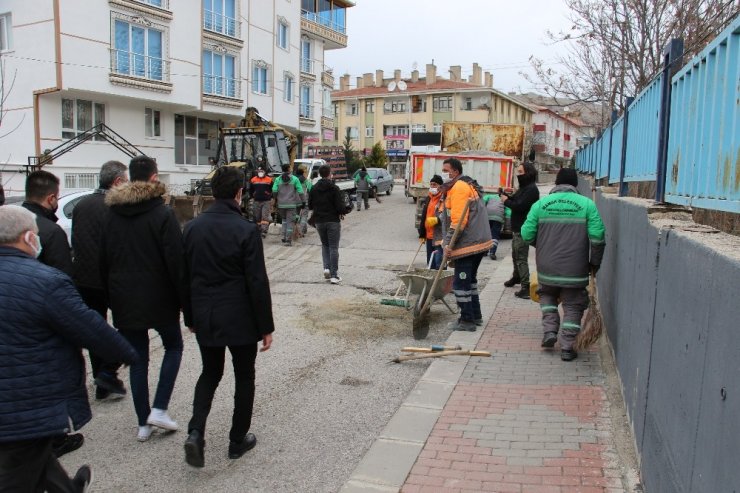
point(539, 128)
point(442, 103)
point(369, 106)
point(437, 127)
point(352, 109)
point(557, 134)
point(394, 130)
point(418, 127)
point(138, 51)
point(220, 16)
point(282, 35)
point(156, 3)
point(79, 116)
point(79, 180)
point(219, 71)
point(336, 109)
point(557, 151)
point(468, 104)
point(418, 104)
point(566, 137)
point(369, 131)
point(259, 77)
point(306, 103)
point(306, 61)
point(353, 133)
point(152, 123)
point(6, 29)
point(196, 140)
point(288, 81)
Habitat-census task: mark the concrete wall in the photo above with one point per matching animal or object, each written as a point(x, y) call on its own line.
point(667, 299)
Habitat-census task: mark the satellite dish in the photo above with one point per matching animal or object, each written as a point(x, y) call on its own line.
point(402, 85)
point(387, 106)
point(392, 86)
point(484, 99)
point(414, 66)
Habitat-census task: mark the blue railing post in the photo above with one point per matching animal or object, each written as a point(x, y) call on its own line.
point(623, 187)
point(611, 140)
point(672, 55)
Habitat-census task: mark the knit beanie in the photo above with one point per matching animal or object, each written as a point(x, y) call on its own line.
point(567, 176)
point(437, 179)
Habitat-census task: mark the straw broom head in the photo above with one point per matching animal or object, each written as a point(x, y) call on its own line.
point(593, 326)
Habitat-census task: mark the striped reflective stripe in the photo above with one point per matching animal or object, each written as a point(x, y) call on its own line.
point(571, 326)
point(463, 299)
point(561, 279)
point(549, 308)
point(564, 220)
point(459, 292)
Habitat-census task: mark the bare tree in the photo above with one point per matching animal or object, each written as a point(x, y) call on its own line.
point(614, 47)
point(6, 87)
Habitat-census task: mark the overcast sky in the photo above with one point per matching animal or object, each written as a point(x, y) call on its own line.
point(499, 35)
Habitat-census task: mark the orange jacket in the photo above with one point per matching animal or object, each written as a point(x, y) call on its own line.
point(456, 199)
point(431, 212)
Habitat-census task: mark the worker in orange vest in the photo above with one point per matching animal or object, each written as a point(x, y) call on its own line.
point(261, 192)
point(430, 228)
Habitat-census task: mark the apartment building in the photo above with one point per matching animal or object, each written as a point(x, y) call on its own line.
point(389, 110)
point(555, 137)
point(164, 74)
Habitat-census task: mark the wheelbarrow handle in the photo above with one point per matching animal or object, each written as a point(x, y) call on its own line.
point(409, 268)
point(458, 230)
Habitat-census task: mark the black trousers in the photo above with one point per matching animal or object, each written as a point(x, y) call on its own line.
point(29, 466)
point(96, 300)
point(243, 359)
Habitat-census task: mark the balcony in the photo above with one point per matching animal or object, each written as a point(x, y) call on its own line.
point(221, 24)
point(327, 77)
point(321, 26)
point(222, 91)
point(306, 112)
point(307, 68)
point(146, 72)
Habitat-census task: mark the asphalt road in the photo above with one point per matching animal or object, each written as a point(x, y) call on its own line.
point(324, 391)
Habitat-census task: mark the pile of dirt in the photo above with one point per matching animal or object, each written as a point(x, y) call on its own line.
point(358, 319)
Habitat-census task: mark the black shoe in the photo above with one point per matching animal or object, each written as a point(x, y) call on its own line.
point(478, 322)
point(512, 282)
point(194, 449)
point(67, 443)
point(568, 355)
point(549, 339)
point(283, 240)
point(492, 256)
point(83, 478)
point(523, 293)
point(113, 385)
point(237, 449)
point(101, 394)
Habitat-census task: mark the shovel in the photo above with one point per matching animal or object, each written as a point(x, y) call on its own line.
point(421, 319)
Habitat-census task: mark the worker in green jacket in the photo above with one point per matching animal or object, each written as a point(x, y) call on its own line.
point(288, 195)
point(566, 229)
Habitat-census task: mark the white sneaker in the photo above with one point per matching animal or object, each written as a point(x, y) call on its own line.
point(144, 433)
point(327, 274)
point(160, 419)
point(336, 280)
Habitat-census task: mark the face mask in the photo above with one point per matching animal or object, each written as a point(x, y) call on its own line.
point(446, 177)
point(261, 174)
point(434, 191)
point(524, 180)
point(36, 245)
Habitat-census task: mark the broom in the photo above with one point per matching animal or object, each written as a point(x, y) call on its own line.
point(593, 326)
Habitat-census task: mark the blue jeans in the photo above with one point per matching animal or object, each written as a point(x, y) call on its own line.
point(437, 252)
point(495, 234)
point(139, 374)
point(329, 233)
point(465, 287)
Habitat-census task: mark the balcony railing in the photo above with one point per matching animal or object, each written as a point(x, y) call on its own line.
point(219, 23)
point(307, 66)
point(327, 77)
point(141, 66)
point(323, 20)
point(221, 86)
point(306, 111)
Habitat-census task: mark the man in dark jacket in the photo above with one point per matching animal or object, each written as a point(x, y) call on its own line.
point(520, 203)
point(231, 308)
point(143, 270)
point(325, 200)
point(42, 198)
point(42, 372)
point(363, 186)
point(88, 220)
point(261, 193)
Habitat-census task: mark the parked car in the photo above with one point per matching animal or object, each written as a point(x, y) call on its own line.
point(67, 204)
point(381, 180)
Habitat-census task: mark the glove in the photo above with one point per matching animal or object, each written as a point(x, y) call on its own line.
point(431, 222)
point(422, 240)
point(594, 268)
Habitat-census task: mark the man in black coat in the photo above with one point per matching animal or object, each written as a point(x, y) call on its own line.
point(42, 198)
point(88, 220)
point(44, 324)
point(143, 271)
point(520, 203)
point(325, 200)
point(231, 306)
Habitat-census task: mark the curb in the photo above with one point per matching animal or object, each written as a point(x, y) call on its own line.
point(387, 463)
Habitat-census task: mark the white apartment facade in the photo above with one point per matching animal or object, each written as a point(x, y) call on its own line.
point(164, 74)
point(555, 137)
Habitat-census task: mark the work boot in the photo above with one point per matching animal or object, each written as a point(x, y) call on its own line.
point(513, 281)
point(110, 383)
point(65, 444)
point(463, 325)
point(568, 355)
point(478, 322)
point(523, 293)
point(194, 449)
point(549, 339)
point(237, 449)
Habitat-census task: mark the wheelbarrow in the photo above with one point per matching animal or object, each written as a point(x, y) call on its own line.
point(421, 282)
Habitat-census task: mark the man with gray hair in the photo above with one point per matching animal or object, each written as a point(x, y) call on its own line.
point(44, 324)
point(88, 220)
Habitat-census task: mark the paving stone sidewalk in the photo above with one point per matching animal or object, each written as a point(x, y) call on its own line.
point(521, 421)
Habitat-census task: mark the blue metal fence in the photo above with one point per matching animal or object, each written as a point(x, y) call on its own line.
point(703, 149)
